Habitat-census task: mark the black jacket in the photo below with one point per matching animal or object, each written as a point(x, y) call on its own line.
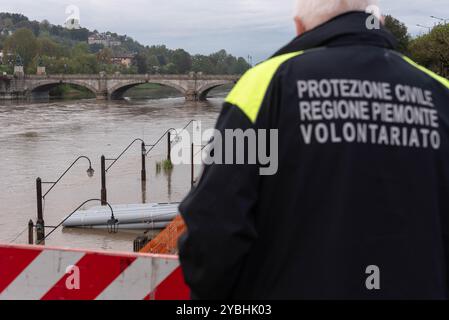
point(362, 181)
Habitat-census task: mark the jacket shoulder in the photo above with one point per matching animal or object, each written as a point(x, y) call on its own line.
point(249, 92)
point(440, 79)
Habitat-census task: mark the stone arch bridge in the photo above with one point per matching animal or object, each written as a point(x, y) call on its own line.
point(193, 86)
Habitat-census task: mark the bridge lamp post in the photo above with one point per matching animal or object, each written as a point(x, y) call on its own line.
point(40, 224)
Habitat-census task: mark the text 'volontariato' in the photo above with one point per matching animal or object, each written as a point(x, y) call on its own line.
point(367, 112)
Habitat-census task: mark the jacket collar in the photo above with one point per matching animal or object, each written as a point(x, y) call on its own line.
point(346, 29)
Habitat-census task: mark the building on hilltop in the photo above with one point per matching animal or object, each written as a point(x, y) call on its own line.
point(124, 59)
point(103, 39)
point(72, 24)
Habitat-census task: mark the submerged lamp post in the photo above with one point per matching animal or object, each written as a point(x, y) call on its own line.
point(192, 161)
point(144, 153)
point(143, 172)
point(112, 222)
point(167, 133)
point(30, 232)
point(192, 166)
point(40, 224)
point(169, 145)
point(104, 169)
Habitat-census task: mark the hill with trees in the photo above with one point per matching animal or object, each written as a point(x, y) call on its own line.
point(64, 50)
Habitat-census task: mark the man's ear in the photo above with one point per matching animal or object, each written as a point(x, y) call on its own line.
point(300, 28)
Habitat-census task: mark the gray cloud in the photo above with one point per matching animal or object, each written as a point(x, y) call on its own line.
point(255, 27)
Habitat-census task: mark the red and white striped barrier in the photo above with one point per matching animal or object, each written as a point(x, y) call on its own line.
point(43, 273)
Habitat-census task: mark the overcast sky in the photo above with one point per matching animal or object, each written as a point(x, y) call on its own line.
point(242, 27)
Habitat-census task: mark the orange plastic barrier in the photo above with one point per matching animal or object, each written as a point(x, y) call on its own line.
point(166, 242)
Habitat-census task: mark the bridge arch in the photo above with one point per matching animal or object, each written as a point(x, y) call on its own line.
point(204, 90)
point(49, 84)
point(117, 91)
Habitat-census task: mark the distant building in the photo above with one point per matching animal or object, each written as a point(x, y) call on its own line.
point(5, 58)
point(114, 43)
point(125, 59)
point(6, 32)
point(94, 39)
point(72, 24)
point(104, 39)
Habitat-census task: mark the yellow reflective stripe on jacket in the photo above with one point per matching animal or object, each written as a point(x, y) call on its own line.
point(249, 93)
point(437, 77)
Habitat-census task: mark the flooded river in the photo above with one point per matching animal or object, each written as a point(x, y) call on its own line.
point(41, 139)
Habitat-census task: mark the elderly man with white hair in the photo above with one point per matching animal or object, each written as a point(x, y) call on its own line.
point(354, 202)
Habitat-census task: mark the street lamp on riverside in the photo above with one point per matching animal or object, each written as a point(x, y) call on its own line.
point(425, 27)
point(112, 222)
point(250, 60)
point(440, 19)
point(40, 224)
point(177, 137)
point(168, 133)
point(105, 169)
point(144, 153)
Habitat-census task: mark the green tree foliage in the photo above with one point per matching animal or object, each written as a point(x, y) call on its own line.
point(432, 50)
point(9, 20)
point(95, 48)
point(5, 68)
point(200, 63)
point(23, 43)
point(182, 60)
point(400, 31)
point(141, 63)
point(104, 56)
point(47, 47)
point(79, 49)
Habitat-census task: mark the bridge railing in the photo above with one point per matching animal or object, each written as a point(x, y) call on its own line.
point(134, 77)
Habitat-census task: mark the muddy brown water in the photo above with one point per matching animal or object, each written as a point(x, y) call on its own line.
point(41, 139)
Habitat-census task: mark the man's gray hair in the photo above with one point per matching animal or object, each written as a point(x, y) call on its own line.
point(315, 12)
